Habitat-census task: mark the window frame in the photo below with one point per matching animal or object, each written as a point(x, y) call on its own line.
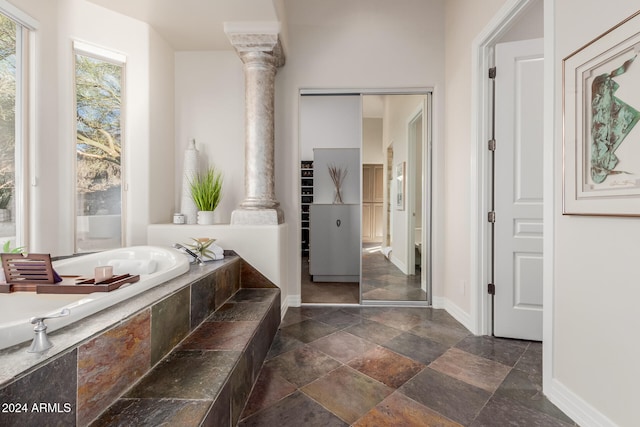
point(26, 28)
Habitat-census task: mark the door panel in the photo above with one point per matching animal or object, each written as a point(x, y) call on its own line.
point(378, 184)
point(518, 190)
point(378, 216)
point(366, 222)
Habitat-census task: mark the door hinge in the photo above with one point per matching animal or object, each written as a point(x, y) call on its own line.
point(491, 289)
point(492, 72)
point(492, 145)
point(491, 217)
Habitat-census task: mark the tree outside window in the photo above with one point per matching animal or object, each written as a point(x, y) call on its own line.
point(98, 153)
point(8, 91)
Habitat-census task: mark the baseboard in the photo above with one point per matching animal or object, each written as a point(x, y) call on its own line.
point(290, 301)
point(401, 265)
point(459, 314)
point(575, 407)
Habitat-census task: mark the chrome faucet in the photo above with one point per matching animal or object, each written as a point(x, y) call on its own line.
point(188, 251)
point(41, 341)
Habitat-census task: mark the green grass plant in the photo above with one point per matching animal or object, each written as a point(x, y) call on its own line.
point(206, 189)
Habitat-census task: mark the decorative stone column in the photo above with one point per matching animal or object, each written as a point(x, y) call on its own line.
point(261, 54)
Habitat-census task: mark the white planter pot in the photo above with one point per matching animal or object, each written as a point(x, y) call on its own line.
point(205, 217)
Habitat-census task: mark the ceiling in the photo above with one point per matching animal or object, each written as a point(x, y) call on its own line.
point(194, 24)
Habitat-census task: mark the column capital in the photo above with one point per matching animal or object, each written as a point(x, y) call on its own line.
point(256, 37)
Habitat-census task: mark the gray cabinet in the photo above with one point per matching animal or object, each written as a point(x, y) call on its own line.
point(334, 254)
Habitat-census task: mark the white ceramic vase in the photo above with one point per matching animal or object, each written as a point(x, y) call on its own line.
point(190, 169)
point(205, 217)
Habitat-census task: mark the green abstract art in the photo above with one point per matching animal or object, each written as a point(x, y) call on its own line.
point(611, 121)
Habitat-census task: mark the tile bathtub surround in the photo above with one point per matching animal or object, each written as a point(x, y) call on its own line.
point(170, 323)
point(382, 366)
point(228, 283)
point(215, 366)
point(203, 299)
point(103, 367)
point(252, 278)
point(110, 363)
point(54, 385)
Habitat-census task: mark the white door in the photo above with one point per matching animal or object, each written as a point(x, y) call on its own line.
point(518, 190)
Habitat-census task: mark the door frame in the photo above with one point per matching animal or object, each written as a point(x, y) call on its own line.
point(480, 185)
point(412, 183)
point(423, 112)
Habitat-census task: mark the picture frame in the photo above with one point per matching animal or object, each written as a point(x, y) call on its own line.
point(400, 185)
point(601, 124)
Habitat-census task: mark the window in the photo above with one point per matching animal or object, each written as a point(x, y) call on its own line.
point(12, 171)
point(99, 76)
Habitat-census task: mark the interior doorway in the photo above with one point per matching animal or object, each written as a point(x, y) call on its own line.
point(518, 20)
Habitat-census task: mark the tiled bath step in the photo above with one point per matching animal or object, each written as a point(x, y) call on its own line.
point(206, 380)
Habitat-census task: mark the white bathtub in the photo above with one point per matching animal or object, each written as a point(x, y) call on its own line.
point(18, 307)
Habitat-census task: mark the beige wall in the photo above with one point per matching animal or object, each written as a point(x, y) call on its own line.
point(595, 278)
point(209, 106)
point(372, 151)
point(465, 19)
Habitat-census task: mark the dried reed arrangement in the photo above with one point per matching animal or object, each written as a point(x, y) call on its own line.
point(337, 176)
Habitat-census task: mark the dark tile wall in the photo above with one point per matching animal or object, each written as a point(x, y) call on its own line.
point(170, 323)
point(110, 363)
point(46, 397)
point(203, 299)
point(228, 281)
point(248, 367)
point(252, 278)
point(220, 413)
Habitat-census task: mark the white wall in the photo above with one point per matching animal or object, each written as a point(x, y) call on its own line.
point(209, 96)
point(329, 122)
point(358, 44)
point(162, 170)
point(372, 150)
point(53, 146)
point(595, 279)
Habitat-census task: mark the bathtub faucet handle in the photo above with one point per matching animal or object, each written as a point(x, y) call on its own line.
point(41, 340)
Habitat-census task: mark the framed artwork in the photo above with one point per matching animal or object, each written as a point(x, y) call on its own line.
point(400, 185)
point(601, 133)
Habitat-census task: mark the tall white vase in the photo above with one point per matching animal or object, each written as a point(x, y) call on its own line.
point(190, 169)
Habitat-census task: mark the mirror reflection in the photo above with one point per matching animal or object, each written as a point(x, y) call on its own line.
point(366, 237)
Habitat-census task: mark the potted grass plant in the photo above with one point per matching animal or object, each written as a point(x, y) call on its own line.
point(206, 192)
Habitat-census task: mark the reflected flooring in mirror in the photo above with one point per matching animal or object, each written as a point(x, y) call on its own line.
point(326, 292)
point(383, 281)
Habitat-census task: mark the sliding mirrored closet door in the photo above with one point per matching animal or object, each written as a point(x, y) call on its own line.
point(365, 177)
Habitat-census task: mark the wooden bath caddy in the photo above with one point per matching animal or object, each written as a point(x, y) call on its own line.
point(34, 273)
point(82, 285)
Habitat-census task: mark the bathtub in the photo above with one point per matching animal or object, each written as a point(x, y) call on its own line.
point(156, 265)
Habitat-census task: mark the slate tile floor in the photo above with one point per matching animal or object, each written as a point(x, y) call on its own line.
point(381, 280)
point(383, 366)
